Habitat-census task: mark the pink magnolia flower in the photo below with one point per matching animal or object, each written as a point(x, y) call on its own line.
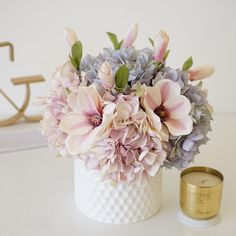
point(70, 36)
point(160, 45)
point(131, 36)
point(89, 118)
point(164, 105)
point(200, 72)
point(105, 74)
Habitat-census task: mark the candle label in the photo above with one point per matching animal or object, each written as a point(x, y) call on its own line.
point(201, 199)
point(200, 202)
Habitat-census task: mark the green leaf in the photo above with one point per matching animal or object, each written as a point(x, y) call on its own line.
point(73, 62)
point(76, 54)
point(121, 77)
point(187, 64)
point(120, 43)
point(151, 41)
point(166, 54)
point(158, 64)
point(114, 40)
point(173, 152)
point(199, 84)
point(139, 90)
point(68, 91)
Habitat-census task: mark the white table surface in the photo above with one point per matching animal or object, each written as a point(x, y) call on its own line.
point(36, 194)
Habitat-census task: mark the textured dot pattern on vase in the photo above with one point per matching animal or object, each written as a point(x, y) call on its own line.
point(123, 203)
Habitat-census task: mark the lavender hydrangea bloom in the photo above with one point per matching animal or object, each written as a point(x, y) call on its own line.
point(179, 76)
point(139, 62)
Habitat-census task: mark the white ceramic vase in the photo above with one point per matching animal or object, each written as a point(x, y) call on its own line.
point(120, 204)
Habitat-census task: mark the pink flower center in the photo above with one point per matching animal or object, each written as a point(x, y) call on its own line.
point(162, 112)
point(95, 120)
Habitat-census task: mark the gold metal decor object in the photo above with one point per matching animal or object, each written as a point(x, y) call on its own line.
point(200, 192)
point(20, 111)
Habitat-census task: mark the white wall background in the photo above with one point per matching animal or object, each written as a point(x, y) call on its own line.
point(204, 29)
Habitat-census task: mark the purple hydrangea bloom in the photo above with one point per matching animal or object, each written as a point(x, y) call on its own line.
point(139, 62)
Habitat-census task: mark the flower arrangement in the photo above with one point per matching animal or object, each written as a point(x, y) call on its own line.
point(125, 112)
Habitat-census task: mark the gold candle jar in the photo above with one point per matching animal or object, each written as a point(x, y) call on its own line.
point(200, 192)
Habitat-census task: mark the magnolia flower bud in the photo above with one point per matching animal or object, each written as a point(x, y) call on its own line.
point(200, 72)
point(105, 74)
point(131, 36)
point(160, 45)
point(70, 36)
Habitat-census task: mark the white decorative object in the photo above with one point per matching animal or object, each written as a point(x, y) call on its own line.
point(21, 136)
point(119, 204)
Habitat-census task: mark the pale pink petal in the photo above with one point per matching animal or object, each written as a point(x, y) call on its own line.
point(201, 72)
point(131, 36)
point(72, 101)
point(89, 100)
point(75, 124)
point(138, 168)
point(143, 154)
point(68, 71)
point(124, 107)
point(106, 120)
point(107, 96)
point(164, 133)
point(150, 158)
point(123, 114)
point(159, 51)
point(154, 120)
point(70, 36)
point(135, 105)
point(160, 45)
point(115, 134)
point(152, 97)
point(141, 142)
point(153, 133)
point(181, 126)
point(79, 144)
point(168, 89)
point(105, 74)
point(109, 108)
point(177, 106)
